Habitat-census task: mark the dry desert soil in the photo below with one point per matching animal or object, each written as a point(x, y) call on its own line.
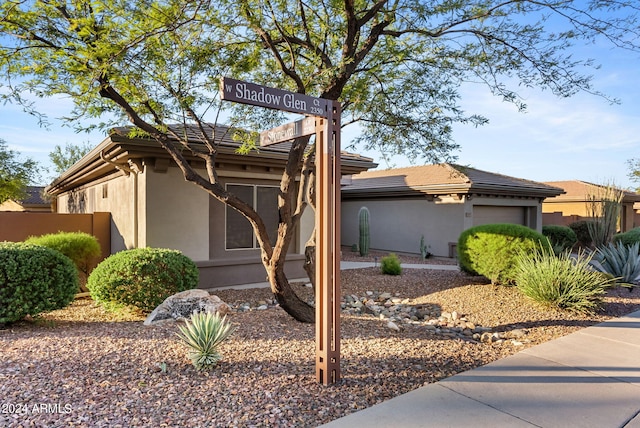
point(84, 367)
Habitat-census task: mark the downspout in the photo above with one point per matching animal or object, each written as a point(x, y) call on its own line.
point(129, 169)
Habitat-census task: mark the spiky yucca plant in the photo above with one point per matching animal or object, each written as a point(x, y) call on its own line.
point(204, 333)
point(562, 282)
point(621, 261)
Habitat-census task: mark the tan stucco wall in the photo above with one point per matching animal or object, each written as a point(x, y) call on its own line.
point(398, 224)
point(307, 224)
point(11, 206)
point(567, 209)
point(532, 209)
point(114, 195)
point(174, 214)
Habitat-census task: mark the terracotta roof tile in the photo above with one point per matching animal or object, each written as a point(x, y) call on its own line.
point(577, 190)
point(440, 178)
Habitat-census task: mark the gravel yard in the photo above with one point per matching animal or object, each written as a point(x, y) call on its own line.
point(83, 367)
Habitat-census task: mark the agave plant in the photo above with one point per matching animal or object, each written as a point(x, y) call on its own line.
point(204, 333)
point(621, 261)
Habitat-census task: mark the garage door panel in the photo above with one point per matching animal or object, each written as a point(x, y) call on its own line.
point(489, 214)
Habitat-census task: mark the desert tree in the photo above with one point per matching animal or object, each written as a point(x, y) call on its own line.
point(15, 173)
point(63, 158)
point(633, 166)
point(395, 65)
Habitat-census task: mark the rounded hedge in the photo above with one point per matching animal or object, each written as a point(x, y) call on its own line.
point(491, 249)
point(80, 247)
point(581, 229)
point(83, 249)
point(141, 278)
point(562, 238)
point(628, 238)
point(34, 279)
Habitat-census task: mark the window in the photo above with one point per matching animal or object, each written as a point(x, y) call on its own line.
point(264, 199)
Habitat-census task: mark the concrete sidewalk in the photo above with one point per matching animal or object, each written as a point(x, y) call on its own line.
point(590, 378)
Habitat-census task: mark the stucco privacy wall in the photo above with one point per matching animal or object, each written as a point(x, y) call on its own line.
point(17, 226)
point(176, 214)
point(397, 224)
point(114, 195)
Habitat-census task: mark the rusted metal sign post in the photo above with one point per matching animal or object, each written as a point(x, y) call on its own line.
point(326, 116)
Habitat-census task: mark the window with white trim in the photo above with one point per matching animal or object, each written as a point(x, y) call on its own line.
point(264, 199)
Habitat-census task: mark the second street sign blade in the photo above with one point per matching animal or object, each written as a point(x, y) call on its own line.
point(288, 131)
point(262, 96)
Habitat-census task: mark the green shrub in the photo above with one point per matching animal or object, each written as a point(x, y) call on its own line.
point(203, 334)
point(620, 261)
point(141, 278)
point(629, 237)
point(83, 249)
point(561, 282)
point(491, 249)
point(390, 265)
point(33, 279)
point(562, 238)
point(581, 229)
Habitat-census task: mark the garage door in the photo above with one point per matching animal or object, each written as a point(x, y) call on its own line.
point(487, 214)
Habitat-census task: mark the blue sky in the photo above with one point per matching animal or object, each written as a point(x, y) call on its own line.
point(583, 137)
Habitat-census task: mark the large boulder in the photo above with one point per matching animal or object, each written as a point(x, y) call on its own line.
point(182, 305)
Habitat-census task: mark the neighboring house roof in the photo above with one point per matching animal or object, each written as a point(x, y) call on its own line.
point(34, 196)
point(443, 179)
point(32, 200)
point(119, 149)
point(578, 191)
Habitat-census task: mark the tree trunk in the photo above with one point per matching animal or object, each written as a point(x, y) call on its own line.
point(310, 246)
point(310, 262)
point(287, 298)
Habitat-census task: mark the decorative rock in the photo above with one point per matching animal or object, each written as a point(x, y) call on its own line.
point(393, 326)
point(182, 305)
point(398, 310)
point(517, 333)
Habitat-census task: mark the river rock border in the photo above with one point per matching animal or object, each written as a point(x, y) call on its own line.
point(399, 313)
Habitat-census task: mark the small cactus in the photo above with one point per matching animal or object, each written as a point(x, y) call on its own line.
point(363, 217)
point(424, 249)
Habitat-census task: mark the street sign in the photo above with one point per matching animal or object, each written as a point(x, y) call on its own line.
point(325, 122)
point(262, 96)
point(288, 131)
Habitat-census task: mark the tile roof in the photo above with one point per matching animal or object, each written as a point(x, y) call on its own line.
point(119, 147)
point(443, 179)
point(33, 196)
point(577, 190)
point(224, 136)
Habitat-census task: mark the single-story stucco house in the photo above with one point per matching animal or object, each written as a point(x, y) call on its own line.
point(571, 205)
point(437, 202)
point(152, 205)
point(33, 201)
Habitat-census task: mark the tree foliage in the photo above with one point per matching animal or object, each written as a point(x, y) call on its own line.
point(396, 66)
point(15, 174)
point(63, 158)
point(634, 171)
